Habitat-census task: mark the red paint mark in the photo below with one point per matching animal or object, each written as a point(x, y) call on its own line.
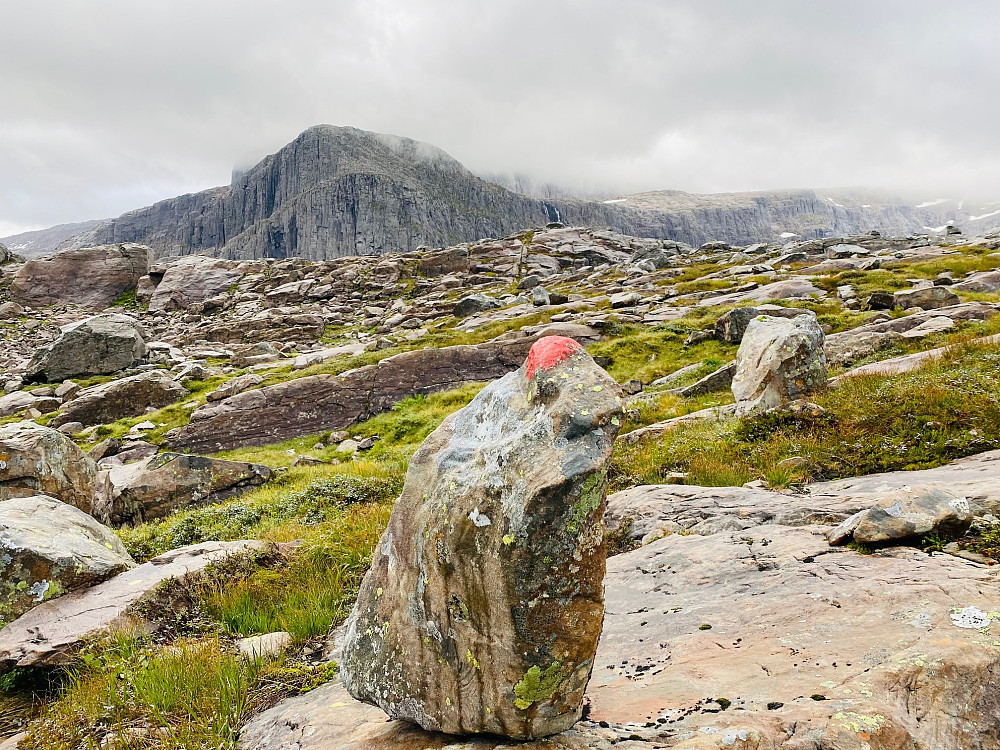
point(548, 352)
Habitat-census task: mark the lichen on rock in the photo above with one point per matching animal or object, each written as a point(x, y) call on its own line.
point(484, 603)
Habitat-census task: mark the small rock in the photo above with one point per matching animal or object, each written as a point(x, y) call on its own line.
point(267, 646)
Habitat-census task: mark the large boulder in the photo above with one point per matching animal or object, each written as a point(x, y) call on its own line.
point(91, 277)
point(732, 324)
point(189, 281)
point(99, 345)
point(127, 397)
point(475, 303)
point(780, 360)
point(39, 460)
point(928, 298)
point(157, 486)
point(48, 548)
point(483, 606)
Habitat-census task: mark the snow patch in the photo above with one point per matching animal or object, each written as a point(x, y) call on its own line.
point(617, 200)
point(928, 204)
point(984, 216)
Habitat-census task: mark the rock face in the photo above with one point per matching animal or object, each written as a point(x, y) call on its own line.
point(39, 460)
point(99, 345)
point(779, 360)
point(50, 548)
point(126, 397)
point(929, 298)
point(191, 281)
point(484, 603)
point(164, 483)
point(908, 514)
point(92, 277)
point(47, 635)
point(331, 402)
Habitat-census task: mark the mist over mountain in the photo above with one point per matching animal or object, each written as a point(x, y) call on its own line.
point(340, 191)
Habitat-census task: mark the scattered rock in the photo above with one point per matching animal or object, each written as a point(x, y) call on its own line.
point(191, 280)
point(779, 360)
point(50, 548)
point(127, 397)
point(499, 532)
point(162, 484)
point(475, 303)
point(908, 514)
point(39, 460)
point(236, 385)
point(927, 298)
point(267, 646)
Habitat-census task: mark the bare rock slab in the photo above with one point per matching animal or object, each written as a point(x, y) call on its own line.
point(125, 397)
point(46, 635)
point(483, 606)
point(39, 460)
point(808, 647)
point(48, 548)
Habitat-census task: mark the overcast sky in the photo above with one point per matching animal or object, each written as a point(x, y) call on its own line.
point(109, 105)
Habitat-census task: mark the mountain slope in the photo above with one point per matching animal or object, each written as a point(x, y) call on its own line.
point(41, 242)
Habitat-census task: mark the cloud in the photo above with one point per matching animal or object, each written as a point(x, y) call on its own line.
point(108, 105)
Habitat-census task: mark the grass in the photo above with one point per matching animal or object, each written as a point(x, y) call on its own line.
point(948, 409)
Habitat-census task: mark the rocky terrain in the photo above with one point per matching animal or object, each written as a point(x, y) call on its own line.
point(200, 460)
point(336, 191)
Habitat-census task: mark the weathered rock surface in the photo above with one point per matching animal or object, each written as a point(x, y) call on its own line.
point(850, 346)
point(732, 324)
point(38, 460)
point(48, 548)
point(91, 278)
point(483, 606)
point(928, 298)
point(475, 303)
point(126, 397)
point(331, 402)
point(809, 648)
point(164, 483)
point(191, 281)
point(779, 360)
point(99, 345)
point(47, 635)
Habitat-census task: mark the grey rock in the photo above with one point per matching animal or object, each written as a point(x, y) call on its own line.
point(99, 345)
point(907, 514)
point(779, 360)
point(37, 460)
point(126, 397)
point(928, 298)
point(540, 296)
point(189, 282)
point(238, 384)
point(474, 303)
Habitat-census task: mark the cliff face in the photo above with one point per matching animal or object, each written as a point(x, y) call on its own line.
point(334, 192)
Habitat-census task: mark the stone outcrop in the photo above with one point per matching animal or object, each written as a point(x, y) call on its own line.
point(484, 603)
point(331, 402)
point(47, 635)
point(125, 397)
point(91, 277)
point(760, 638)
point(48, 548)
point(189, 282)
point(157, 486)
point(779, 360)
point(928, 298)
point(39, 460)
point(99, 345)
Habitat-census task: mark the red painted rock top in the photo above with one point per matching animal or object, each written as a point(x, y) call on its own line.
point(549, 352)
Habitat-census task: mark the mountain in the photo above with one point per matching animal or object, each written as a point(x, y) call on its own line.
point(340, 191)
point(44, 241)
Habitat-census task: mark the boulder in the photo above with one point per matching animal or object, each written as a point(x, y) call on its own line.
point(483, 606)
point(880, 301)
point(127, 397)
point(48, 548)
point(20, 401)
point(238, 384)
point(475, 303)
point(39, 460)
point(48, 635)
point(986, 281)
point(850, 346)
point(162, 484)
point(189, 281)
point(928, 298)
point(908, 513)
point(91, 277)
point(779, 360)
point(99, 345)
point(316, 403)
point(732, 324)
